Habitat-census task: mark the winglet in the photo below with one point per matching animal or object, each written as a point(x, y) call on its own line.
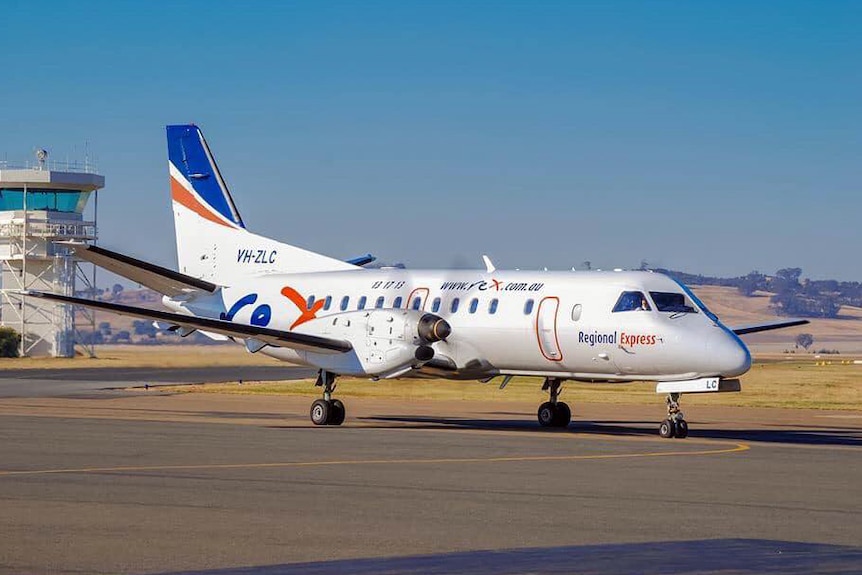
point(489, 265)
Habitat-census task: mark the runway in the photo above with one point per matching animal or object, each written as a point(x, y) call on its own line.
point(71, 382)
point(160, 483)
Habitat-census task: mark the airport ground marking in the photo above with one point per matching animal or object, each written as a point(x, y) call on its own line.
point(737, 447)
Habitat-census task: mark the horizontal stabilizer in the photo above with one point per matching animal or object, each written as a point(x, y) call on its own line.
point(767, 326)
point(362, 260)
point(273, 337)
point(162, 280)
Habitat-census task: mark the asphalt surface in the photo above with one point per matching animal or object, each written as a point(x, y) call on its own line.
point(160, 483)
point(70, 382)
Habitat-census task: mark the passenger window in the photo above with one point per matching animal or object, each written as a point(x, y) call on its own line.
point(672, 302)
point(528, 307)
point(345, 301)
point(474, 305)
point(576, 312)
point(435, 305)
point(362, 302)
point(417, 303)
point(632, 301)
point(379, 303)
point(492, 307)
point(310, 303)
point(327, 303)
point(454, 307)
point(397, 303)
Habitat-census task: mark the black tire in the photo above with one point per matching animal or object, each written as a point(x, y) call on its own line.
point(321, 411)
point(547, 414)
point(336, 416)
point(680, 429)
point(563, 416)
point(665, 429)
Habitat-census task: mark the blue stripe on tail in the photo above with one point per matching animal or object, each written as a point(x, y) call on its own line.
point(189, 153)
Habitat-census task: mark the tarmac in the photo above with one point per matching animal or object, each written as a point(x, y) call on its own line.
point(95, 480)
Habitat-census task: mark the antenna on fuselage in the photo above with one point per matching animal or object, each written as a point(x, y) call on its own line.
point(489, 265)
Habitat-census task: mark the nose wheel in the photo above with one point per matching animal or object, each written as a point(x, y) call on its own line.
point(554, 413)
point(327, 411)
point(675, 424)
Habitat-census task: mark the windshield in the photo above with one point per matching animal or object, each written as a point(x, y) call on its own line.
point(672, 302)
point(696, 300)
point(632, 301)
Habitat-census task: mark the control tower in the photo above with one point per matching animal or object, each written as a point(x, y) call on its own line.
point(41, 204)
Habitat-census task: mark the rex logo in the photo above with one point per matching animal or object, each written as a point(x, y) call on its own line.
point(262, 314)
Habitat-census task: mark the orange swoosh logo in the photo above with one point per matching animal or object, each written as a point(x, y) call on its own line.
point(306, 314)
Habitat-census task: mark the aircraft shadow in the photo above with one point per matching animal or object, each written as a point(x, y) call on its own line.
point(739, 556)
point(811, 435)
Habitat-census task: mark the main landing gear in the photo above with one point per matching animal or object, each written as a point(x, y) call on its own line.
point(327, 411)
point(675, 425)
point(554, 413)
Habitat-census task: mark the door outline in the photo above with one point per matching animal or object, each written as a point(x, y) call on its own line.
point(552, 305)
point(422, 293)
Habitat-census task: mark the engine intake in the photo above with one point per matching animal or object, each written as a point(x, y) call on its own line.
point(433, 328)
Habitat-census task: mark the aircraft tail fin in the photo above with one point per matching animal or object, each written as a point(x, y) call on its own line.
point(212, 241)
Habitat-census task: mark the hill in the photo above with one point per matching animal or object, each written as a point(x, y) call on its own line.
point(844, 333)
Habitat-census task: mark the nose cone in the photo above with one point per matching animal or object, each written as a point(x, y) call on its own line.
point(727, 355)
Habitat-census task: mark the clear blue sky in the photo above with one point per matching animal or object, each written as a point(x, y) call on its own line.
point(715, 137)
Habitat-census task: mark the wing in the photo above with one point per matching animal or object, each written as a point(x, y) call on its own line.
point(767, 326)
point(162, 280)
point(273, 337)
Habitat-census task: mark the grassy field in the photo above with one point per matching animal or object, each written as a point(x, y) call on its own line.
point(796, 384)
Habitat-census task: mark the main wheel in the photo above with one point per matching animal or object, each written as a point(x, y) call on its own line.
point(680, 429)
point(337, 413)
point(563, 416)
point(320, 412)
point(547, 414)
point(665, 429)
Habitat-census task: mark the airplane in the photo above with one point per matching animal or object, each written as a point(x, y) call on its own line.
point(344, 319)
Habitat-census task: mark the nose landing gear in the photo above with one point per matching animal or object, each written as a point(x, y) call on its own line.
point(554, 413)
point(675, 424)
point(327, 411)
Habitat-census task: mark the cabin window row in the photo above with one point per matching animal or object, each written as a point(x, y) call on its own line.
point(415, 303)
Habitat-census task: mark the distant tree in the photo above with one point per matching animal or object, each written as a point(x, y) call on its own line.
point(588, 265)
point(9, 342)
point(105, 328)
point(752, 282)
point(142, 327)
point(116, 290)
point(122, 337)
point(644, 266)
point(805, 340)
point(786, 280)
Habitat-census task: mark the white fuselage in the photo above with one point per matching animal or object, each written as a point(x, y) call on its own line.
point(552, 324)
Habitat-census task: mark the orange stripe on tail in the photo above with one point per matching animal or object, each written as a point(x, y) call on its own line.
point(182, 196)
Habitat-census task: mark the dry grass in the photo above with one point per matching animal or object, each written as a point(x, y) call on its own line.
point(797, 384)
point(167, 356)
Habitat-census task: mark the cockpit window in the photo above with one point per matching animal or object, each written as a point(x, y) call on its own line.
point(632, 301)
point(672, 302)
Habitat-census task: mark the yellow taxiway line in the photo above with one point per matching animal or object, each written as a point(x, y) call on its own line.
point(737, 447)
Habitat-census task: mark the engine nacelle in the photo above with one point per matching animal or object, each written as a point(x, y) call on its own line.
point(386, 342)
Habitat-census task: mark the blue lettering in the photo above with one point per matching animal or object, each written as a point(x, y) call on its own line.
point(244, 301)
point(261, 316)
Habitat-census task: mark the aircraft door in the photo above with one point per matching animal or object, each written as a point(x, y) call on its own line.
point(417, 299)
point(546, 329)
